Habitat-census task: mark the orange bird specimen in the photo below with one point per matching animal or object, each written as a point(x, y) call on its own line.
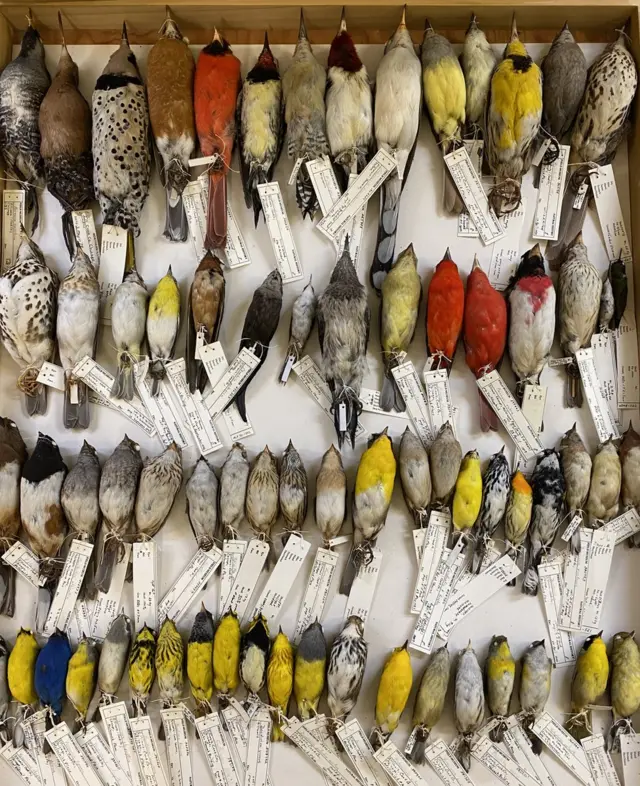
point(485, 333)
point(216, 87)
point(445, 311)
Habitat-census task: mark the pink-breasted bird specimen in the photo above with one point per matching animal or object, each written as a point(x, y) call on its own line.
point(216, 88)
point(485, 333)
point(445, 312)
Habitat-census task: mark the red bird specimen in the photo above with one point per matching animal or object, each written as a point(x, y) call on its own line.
point(485, 333)
point(216, 88)
point(445, 311)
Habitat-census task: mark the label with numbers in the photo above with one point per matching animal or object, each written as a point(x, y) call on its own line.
point(519, 747)
point(419, 537)
point(475, 149)
point(236, 250)
point(195, 199)
point(145, 585)
point(624, 526)
point(178, 747)
point(572, 528)
point(533, 402)
point(13, 218)
point(282, 242)
point(546, 224)
point(144, 743)
point(628, 378)
point(446, 766)
point(245, 584)
point(21, 763)
point(601, 414)
point(505, 255)
point(604, 360)
point(188, 585)
point(258, 748)
point(273, 596)
point(317, 592)
point(25, 563)
point(230, 382)
point(84, 228)
point(364, 588)
point(113, 259)
point(401, 771)
point(605, 193)
point(432, 549)
point(324, 183)
point(472, 193)
point(197, 418)
point(232, 555)
point(630, 750)
point(502, 766)
point(600, 764)
point(324, 758)
point(576, 571)
point(216, 750)
point(439, 399)
point(51, 772)
point(294, 172)
point(52, 376)
point(600, 556)
point(236, 724)
point(563, 746)
point(161, 409)
point(215, 366)
point(115, 718)
point(359, 750)
point(102, 759)
point(73, 759)
point(563, 645)
point(370, 400)
point(68, 588)
point(408, 382)
point(107, 604)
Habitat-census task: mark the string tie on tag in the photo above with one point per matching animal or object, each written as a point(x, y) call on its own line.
point(506, 196)
point(28, 381)
point(553, 151)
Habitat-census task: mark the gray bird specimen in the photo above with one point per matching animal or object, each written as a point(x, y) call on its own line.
point(76, 331)
point(262, 503)
point(121, 140)
point(445, 460)
point(331, 495)
point(500, 671)
point(160, 481)
point(293, 492)
point(347, 664)
point(28, 296)
point(343, 331)
point(548, 487)
point(79, 500)
point(5, 696)
point(349, 104)
point(579, 288)
point(303, 85)
point(535, 686)
point(128, 326)
point(260, 325)
point(233, 490)
point(496, 483)
point(260, 130)
point(478, 61)
point(303, 315)
point(607, 304)
point(576, 468)
point(113, 658)
point(415, 476)
point(118, 487)
point(630, 459)
point(430, 700)
point(396, 123)
point(606, 478)
point(65, 130)
point(23, 85)
point(201, 492)
point(13, 454)
point(468, 703)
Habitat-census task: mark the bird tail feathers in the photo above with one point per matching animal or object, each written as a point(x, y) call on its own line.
point(36, 404)
point(573, 386)
point(123, 384)
point(175, 226)
point(387, 228)
point(76, 404)
point(488, 418)
point(217, 212)
point(157, 373)
point(305, 193)
point(419, 747)
point(571, 221)
point(8, 589)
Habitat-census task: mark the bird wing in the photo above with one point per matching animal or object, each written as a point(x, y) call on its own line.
point(320, 320)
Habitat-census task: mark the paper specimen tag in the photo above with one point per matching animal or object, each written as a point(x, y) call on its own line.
point(21, 764)
point(51, 772)
point(624, 526)
point(446, 766)
point(370, 400)
point(115, 718)
point(557, 362)
point(505, 255)
point(363, 588)
point(533, 403)
point(107, 604)
point(576, 570)
point(604, 359)
point(231, 382)
point(499, 764)
point(359, 750)
point(628, 378)
point(236, 250)
point(102, 759)
point(563, 746)
point(215, 366)
point(25, 563)
point(232, 555)
point(479, 589)
point(318, 727)
point(68, 587)
point(400, 770)
point(605, 193)
point(168, 426)
point(216, 750)
point(274, 595)
point(475, 149)
point(203, 160)
point(520, 749)
point(439, 401)
point(178, 747)
point(360, 191)
point(323, 757)
point(245, 584)
point(198, 419)
point(324, 183)
point(600, 556)
point(282, 242)
point(12, 219)
point(630, 749)
point(317, 592)
point(406, 378)
point(599, 761)
point(432, 549)
point(113, 260)
point(419, 537)
point(51, 375)
point(294, 172)
point(258, 748)
point(195, 198)
point(311, 377)
point(511, 416)
point(188, 585)
point(236, 723)
point(145, 585)
point(424, 633)
point(144, 743)
point(602, 416)
point(546, 223)
point(84, 228)
point(101, 381)
point(563, 646)
point(73, 759)
point(540, 152)
point(581, 194)
point(572, 527)
point(470, 188)
point(356, 231)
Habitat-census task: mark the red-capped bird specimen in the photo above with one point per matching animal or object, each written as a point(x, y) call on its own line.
point(216, 87)
point(445, 312)
point(485, 333)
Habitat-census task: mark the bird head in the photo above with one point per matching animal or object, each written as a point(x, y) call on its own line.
point(123, 62)
point(531, 264)
point(238, 450)
point(31, 44)
point(45, 460)
point(273, 282)
point(564, 36)
point(67, 69)
point(515, 47)
point(332, 458)
point(219, 46)
point(169, 27)
point(353, 627)
point(266, 58)
point(401, 37)
point(28, 249)
point(342, 53)
point(87, 451)
point(120, 629)
point(344, 269)
point(202, 630)
point(520, 484)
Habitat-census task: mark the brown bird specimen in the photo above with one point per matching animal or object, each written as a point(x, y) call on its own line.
point(65, 142)
point(630, 459)
point(13, 454)
point(206, 308)
point(170, 71)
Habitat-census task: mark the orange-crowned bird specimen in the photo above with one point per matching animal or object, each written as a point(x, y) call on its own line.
point(445, 312)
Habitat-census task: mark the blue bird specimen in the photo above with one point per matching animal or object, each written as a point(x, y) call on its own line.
point(51, 673)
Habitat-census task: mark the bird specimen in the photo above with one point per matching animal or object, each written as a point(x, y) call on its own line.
point(169, 666)
point(445, 311)
point(303, 315)
point(5, 696)
point(415, 476)
point(200, 661)
point(114, 657)
point(445, 460)
point(625, 686)
point(160, 481)
point(13, 454)
point(331, 496)
point(345, 672)
point(50, 676)
point(606, 478)
point(201, 491)
point(206, 309)
point(535, 687)
point(309, 674)
point(478, 61)
point(293, 493)
point(430, 700)
point(500, 670)
point(254, 654)
point(590, 678)
point(576, 468)
point(142, 669)
point(280, 680)
point(630, 459)
point(163, 326)
point(468, 703)
point(233, 490)
point(467, 497)
point(21, 668)
point(393, 693)
point(81, 678)
point(128, 326)
point(227, 644)
point(518, 515)
point(262, 503)
point(619, 288)
point(495, 490)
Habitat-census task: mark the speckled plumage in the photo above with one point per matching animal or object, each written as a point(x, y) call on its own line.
point(142, 669)
point(347, 663)
point(160, 482)
point(495, 490)
point(262, 503)
point(201, 491)
point(576, 468)
point(293, 491)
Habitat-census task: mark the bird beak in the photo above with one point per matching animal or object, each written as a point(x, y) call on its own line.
point(476, 262)
point(514, 29)
point(29, 17)
point(302, 30)
point(64, 43)
point(216, 35)
point(565, 27)
point(599, 636)
point(536, 250)
point(577, 239)
point(403, 21)
point(124, 38)
point(473, 23)
point(447, 255)
point(265, 45)
point(343, 21)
